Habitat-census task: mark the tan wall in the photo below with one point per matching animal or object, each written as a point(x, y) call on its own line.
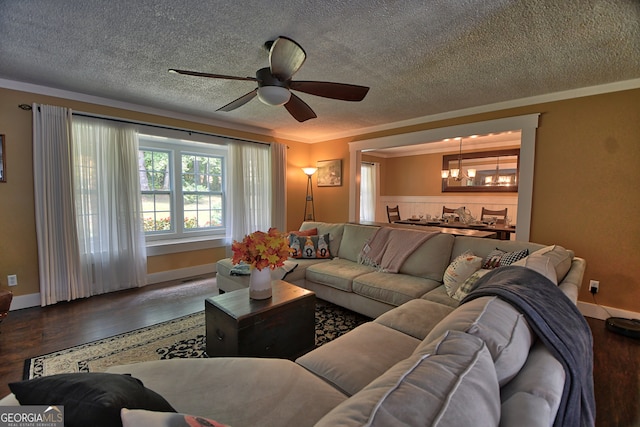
point(418, 175)
point(18, 246)
point(585, 187)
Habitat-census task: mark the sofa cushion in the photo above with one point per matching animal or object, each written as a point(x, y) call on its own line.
point(391, 288)
point(415, 318)
point(499, 325)
point(450, 383)
point(310, 247)
point(353, 240)
point(142, 418)
point(440, 296)
point(527, 401)
point(460, 270)
point(335, 232)
point(337, 273)
point(308, 232)
point(353, 360)
point(240, 391)
point(482, 247)
point(430, 259)
point(91, 398)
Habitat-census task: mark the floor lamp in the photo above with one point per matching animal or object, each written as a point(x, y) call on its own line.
point(309, 199)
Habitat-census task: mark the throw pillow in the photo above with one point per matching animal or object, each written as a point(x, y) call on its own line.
point(142, 418)
point(499, 258)
point(559, 257)
point(468, 284)
point(309, 232)
point(310, 247)
point(459, 270)
point(541, 264)
point(90, 399)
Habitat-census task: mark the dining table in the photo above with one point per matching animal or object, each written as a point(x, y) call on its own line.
point(502, 231)
point(491, 234)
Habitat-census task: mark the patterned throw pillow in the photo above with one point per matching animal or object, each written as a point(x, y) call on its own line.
point(459, 270)
point(468, 284)
point(310, 247)
point(499, 258)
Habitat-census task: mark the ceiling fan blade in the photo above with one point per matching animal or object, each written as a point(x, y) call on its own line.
point(240, 101)
point(212, 76)
point(285, 58)
point(299, 109)
point(341, 91)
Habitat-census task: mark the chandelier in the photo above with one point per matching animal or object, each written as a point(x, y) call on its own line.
point(458, 173)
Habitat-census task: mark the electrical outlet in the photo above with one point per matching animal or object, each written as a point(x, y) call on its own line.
point(12, 280)
point(594, 286)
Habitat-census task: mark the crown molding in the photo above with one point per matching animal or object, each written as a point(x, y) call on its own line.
point(516, 103)
point(522, 102)
point(107, 102)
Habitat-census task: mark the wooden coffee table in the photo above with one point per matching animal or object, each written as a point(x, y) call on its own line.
point(282, 326)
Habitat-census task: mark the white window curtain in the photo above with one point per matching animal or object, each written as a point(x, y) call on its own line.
point(279, 177)
point(368, 192)
point(58, 252)
point(249, 200)
point(108, 205)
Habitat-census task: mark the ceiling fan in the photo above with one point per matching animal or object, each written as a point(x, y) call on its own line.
point(275, 84)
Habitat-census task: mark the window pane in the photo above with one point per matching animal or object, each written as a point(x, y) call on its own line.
point(202, 187)
point(155, 185)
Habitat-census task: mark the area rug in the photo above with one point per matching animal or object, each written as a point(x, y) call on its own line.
point(183, 337)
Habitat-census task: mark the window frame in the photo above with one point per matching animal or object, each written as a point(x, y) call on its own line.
point(177, 146)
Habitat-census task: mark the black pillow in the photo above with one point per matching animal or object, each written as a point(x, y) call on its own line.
point(90, 399)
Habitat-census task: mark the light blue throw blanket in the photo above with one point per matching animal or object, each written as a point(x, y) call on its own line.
point(559, 325)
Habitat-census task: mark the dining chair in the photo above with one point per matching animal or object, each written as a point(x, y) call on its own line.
point(497, 213)
point(446, 210)
point(393, 214)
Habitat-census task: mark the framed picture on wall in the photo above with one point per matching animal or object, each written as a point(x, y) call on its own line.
point(3, 156)
point(329, 173)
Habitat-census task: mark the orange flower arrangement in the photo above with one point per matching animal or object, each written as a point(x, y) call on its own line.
point(261, 250)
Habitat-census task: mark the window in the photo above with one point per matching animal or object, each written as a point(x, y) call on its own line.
point(182, 186)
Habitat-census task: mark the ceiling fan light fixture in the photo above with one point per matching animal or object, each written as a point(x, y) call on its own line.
point(274, 95)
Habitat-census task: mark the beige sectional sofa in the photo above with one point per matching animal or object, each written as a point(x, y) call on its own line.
point(364, 289)
point(423, 360)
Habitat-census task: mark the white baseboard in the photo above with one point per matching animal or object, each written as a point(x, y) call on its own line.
point(181, 273)
point(33, 300)
point(602, 312)
point(25, 301)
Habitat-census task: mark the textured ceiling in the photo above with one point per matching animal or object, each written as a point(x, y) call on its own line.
point(419, 57)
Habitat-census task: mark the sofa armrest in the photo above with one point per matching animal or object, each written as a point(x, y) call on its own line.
point(572, 282)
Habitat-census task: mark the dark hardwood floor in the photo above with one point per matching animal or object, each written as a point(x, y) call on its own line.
point(40, 330)
point(616, 377)
point(35, 331)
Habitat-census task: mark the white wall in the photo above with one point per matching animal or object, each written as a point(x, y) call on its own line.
point(416, 205)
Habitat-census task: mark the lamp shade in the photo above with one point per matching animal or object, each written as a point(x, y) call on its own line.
point(471, 173)
point(445, 173)
point(309, 171)
point(274, 95)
